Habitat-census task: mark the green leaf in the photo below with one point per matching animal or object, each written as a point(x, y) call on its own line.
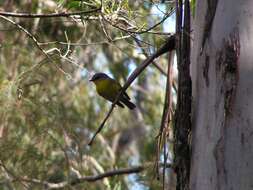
point(73, 5)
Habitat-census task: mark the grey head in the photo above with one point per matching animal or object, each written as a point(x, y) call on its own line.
point(98, 76)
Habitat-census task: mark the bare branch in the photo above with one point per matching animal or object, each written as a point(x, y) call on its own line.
point(168, 100)
point(146, 54)
point(116, 172)
point(86, 44)
point(62, 14)
point(166, 117)
point(80, 180)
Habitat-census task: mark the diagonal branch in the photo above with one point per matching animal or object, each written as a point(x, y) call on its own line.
point(36, 42)
point(146, 55)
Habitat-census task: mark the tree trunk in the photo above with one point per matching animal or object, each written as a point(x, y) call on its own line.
point(222, 76)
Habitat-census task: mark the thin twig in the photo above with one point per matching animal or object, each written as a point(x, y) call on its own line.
point(142, 31)
point(161, 137)
point(165, 156)
point(86, 44)
point(13, 177)
point(104, 29)
point(168, 100)
point(36, 42)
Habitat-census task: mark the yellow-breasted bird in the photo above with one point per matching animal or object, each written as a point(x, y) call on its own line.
point(109, 88)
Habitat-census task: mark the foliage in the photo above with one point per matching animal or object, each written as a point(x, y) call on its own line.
point(49, 110)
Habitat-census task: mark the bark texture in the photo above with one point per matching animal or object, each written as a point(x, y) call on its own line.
point(182, 126)
point(222, 75)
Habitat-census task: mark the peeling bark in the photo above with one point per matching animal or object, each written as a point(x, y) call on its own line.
point(227, 66)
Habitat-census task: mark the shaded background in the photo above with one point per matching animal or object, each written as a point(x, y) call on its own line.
point(49, 110)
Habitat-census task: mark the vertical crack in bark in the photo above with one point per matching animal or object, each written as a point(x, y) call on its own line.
point(219, 156)
point(227, 73)
point(206, 70)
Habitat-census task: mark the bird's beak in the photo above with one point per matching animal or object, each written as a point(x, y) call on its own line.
point(91, 80)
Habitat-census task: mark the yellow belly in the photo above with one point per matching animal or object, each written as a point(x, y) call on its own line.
point(107, 88)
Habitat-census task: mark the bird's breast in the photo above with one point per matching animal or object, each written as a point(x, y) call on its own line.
point(107, 89)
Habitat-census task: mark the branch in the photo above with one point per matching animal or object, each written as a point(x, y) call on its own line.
point(86, 44)
point(36, 42)
point(168, 46)
point(166, 117)
point(168, 100)
point(146, 55)
point(25, 31)
point(63, 184)
point(156, 65)
point(142, 31)
point(117, 172)
point(62, 14)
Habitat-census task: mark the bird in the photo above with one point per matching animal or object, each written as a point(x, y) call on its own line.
point(109, 88)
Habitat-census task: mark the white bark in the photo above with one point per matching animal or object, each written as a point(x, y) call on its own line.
point(222, 146)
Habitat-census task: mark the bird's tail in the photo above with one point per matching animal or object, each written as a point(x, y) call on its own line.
point(129, 104)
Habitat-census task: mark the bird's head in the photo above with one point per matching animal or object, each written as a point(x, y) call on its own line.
point(99, 76)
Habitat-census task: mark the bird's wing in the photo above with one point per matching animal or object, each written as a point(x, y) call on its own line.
point(120, 87)
point(120, 104)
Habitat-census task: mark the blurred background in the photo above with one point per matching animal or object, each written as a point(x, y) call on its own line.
point(49, 110)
